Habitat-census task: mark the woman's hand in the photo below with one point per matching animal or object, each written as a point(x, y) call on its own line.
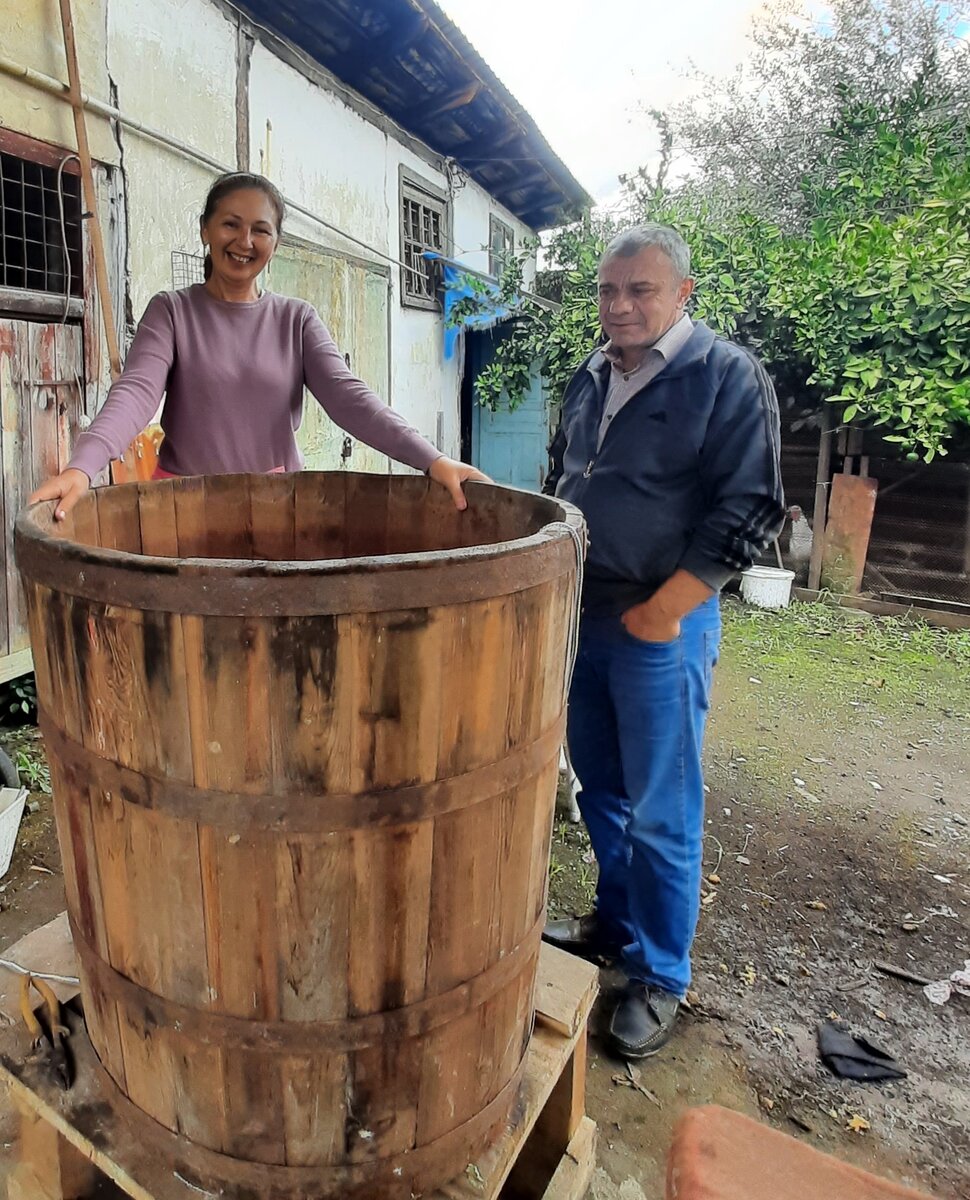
point(68, 488)
point(452, 474)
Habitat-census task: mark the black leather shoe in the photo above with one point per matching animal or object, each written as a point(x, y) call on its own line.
point(643, 1020)
point(583, 936)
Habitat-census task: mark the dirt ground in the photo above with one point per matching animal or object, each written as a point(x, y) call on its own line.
point(837, 834)
point(837, 831)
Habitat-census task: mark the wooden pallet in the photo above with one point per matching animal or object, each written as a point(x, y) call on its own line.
point(72, 1144)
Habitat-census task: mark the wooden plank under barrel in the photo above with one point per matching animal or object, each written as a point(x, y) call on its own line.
point(304, 735)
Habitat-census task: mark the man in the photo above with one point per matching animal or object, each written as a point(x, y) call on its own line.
point(669, 444)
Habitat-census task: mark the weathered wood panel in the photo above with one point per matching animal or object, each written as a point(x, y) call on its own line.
point(15, 457)
point(40, 367)
point(851, 507)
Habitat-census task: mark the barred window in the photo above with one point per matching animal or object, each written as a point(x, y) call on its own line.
point(501, 245)
point(40, 219)
point(422, 228)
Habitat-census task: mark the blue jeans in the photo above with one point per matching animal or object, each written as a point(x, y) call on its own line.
point(636, 725)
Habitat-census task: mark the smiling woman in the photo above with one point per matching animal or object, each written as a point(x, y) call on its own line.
point(232, 362)
point(241, 227)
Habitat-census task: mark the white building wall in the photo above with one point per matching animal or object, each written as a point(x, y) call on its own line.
point(189, 94)
point(319, 151)
point(31, 35)
point(472, 210)
point(343, 167)
point(425, 383)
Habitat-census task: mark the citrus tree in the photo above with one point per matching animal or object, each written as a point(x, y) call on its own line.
point(832, 238)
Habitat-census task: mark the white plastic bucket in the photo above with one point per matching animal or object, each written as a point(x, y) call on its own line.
point(767, 587)
point(12, 801)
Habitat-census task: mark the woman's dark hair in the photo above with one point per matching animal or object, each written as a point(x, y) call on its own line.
point(236, 181)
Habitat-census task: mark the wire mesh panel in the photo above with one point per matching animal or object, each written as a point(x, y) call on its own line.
point(187, 269)
point(40, 227)
point(799, 460)
point(920, 543)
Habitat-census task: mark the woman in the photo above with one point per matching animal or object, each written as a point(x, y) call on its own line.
point(232, 362)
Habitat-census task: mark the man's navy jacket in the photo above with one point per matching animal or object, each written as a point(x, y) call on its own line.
point(688, 474)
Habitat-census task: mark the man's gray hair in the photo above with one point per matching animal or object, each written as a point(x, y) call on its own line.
point(640, 237)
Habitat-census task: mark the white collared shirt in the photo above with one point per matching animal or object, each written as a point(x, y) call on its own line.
point(624, 385)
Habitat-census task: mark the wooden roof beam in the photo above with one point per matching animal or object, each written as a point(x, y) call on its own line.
point(484, 149)
point(437, 106)
point(393, 43)
point(523, 181)
point(514, 194)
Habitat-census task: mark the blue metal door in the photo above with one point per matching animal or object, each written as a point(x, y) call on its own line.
point(512, 446)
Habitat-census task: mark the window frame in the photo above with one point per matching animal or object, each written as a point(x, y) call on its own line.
point(415, 189)
point(496, 224)
point(37, 302)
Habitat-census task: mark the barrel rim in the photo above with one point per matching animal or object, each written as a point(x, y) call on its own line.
point(300, 587)
point(32, 528)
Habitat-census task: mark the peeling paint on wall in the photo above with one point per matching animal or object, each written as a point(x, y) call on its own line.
point(190, 94)
point(31, 35)
point(352, 302)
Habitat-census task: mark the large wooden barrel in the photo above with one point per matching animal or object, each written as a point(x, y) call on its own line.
point(304, 735)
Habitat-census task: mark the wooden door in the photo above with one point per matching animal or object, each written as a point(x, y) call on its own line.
point(41, 378)
point(509, 445)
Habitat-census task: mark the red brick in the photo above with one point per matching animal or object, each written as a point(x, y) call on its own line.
point(721, 1155)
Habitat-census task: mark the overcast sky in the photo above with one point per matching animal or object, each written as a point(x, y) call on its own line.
point(583, 67)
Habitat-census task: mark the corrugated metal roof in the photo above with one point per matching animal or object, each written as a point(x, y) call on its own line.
point(407, 58)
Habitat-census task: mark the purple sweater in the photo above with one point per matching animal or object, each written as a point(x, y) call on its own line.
point(233, 378)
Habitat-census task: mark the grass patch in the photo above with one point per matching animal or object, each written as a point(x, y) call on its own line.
point(572, 871)
point(909, 641)
point(814, 696)
point(849, 656)
point(34, 772)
